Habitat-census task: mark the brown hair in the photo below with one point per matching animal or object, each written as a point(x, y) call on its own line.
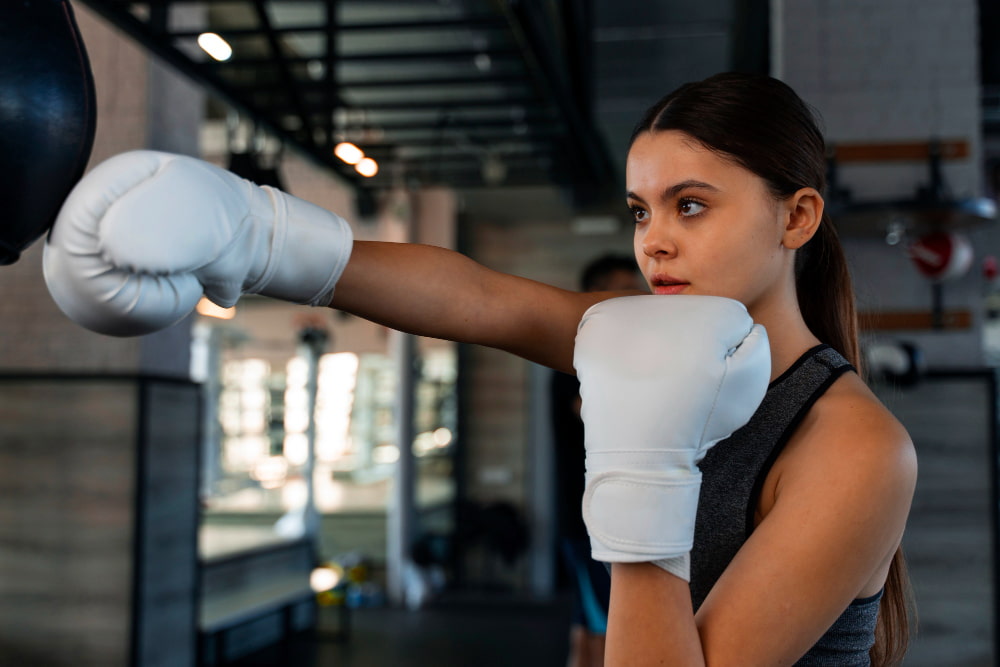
point(761, 124)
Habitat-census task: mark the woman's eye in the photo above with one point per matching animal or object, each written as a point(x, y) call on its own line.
point(638, 214)
point(690, 207)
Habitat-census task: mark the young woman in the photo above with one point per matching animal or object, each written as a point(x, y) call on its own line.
point(724, 182)
point(796, 537)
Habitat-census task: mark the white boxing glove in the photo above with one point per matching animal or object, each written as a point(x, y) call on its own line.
point(145, 234)
point(663, 378)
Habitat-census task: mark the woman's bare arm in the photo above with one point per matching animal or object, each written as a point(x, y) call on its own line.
point(439, 293)
point(841, 505)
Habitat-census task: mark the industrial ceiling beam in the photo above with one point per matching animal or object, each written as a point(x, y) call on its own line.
point(397, 83)
point(438, 123)
point(118, 15)
point(434, 82)
point(473, 23)
point(524, 147)
point(277, 104)
point(409, 57)
point(522, 101)
point(433, 136)
point(461, 106)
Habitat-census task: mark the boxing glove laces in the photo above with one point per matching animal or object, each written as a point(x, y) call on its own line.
point(663, 378)
point(144, 235)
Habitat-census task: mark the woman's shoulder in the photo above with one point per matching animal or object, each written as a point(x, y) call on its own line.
point(848, 444)
point(849, 406)
point(849, 428)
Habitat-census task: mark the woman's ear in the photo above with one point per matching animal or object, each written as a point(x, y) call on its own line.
point(803, 214)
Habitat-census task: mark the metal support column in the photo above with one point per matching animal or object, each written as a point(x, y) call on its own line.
point(401, 518)
point(312, 344)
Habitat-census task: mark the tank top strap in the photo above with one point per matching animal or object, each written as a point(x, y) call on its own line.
point(733, 472)
point(792, 394)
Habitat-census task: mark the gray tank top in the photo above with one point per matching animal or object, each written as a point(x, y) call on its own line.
point(733, 473)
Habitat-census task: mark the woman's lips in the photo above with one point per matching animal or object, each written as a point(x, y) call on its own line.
point(672, 288)
point(666, 284)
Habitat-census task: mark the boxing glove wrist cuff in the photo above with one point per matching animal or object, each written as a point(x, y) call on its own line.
point(679, 566)
point(309, 249)
point(636, 516)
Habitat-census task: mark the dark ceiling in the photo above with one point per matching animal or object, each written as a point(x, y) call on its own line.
point(468, 93)
point(462, 92)
point(465, 93)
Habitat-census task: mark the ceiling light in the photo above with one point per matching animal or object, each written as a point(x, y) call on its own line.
point(215, 46)
point(483, 62)
point(348, 152)
point(367, 167)
point(316, 69)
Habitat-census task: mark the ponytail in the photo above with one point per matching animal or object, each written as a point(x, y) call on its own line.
point(895, 614)
point(826, 299)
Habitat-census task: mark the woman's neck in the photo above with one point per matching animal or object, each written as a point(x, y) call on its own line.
point(787, 333)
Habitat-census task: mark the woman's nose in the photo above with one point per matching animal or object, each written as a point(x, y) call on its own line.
point(658, 240)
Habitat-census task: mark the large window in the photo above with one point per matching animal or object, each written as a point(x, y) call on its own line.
point(259, 435)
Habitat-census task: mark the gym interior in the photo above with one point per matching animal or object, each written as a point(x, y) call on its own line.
point(273, 484)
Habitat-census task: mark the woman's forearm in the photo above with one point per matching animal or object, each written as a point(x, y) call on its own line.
point(439, 293)
point(650, 619)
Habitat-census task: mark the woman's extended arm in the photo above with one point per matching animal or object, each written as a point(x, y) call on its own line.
point(436, 292)
point(147, 234)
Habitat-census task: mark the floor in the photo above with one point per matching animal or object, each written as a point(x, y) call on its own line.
point(947, 541)
point(480, 633)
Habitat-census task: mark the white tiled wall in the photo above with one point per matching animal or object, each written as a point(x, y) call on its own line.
point(894, 70)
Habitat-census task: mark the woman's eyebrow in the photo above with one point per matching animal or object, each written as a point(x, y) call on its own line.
point(631, 195)
point(676, 189)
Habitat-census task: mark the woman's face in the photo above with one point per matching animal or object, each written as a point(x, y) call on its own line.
point(703, 225)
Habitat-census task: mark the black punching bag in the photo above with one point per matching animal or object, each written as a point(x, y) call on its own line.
point(47, 117)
